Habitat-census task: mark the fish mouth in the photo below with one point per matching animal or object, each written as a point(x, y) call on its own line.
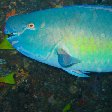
point(12, 38)
point(11, 35)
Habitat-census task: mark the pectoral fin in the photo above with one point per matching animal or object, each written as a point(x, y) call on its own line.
point(78, 73)
point(65, 60)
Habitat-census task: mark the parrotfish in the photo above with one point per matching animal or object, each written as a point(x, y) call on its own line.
point(77, 39)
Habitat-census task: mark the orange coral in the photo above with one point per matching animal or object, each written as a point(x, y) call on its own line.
point(11, 13)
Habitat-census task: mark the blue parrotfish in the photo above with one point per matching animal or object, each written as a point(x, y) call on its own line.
point(77, 39)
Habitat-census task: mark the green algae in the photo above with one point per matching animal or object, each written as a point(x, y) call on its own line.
point(9, 79)
point(5, 44)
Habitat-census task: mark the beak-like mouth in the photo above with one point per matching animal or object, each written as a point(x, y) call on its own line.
point(10, 35)
point(12, 38)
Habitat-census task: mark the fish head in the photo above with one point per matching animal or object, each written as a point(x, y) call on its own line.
point(20, 28)
point(28, 35)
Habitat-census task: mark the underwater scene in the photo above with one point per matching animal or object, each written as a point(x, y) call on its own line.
point(44, 68)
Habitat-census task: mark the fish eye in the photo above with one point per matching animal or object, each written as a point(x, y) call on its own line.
point(31, 26)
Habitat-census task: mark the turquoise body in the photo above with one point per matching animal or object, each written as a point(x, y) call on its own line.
point(76, 39)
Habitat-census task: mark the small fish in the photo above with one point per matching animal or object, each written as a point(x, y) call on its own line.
point(9, 79)
point(77, 39)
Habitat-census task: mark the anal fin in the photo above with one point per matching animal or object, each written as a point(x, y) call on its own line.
point(78, 73)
